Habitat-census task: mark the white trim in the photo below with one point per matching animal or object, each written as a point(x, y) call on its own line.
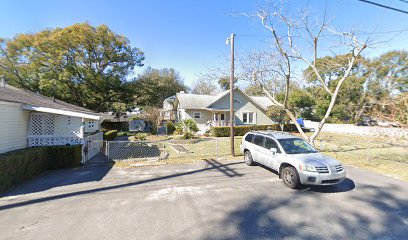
point(238, 90)
point(253, 117)
point(61, 112)
point(10, 103)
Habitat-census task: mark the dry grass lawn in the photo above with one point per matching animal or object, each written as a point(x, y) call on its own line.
point(388, 156)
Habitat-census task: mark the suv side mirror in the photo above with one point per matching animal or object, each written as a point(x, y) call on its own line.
point(274, 151)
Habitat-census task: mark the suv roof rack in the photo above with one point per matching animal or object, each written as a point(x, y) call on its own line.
point(271, 132)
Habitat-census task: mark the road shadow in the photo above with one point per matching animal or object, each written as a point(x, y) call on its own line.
point(33, 187)
point(376, 213)
point(267, 168)
point(229, 172)
point(62, 177)
point(345, 186)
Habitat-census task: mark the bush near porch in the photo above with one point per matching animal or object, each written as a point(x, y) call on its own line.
point(224, 131)
point(21, 165)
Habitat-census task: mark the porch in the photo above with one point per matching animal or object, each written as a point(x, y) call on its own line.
point(220, 118)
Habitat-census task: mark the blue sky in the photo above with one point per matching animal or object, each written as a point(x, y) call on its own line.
point(190, 35)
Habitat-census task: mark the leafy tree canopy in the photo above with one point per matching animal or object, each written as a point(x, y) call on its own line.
point(153, 86)
point(79, 64)
point(224, 82)
point(372, 83)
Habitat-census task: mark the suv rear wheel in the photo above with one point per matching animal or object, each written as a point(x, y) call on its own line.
point(248, 158)
point(290, 177)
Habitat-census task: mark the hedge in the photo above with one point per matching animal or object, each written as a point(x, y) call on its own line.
point(110, 135)
point(120, 126)
point(20, 165)
point(241, 130)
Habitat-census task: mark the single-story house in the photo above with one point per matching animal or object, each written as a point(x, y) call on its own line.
point(28, 119)
point(213, 110)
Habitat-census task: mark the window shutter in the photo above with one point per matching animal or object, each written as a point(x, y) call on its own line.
point(255, 122)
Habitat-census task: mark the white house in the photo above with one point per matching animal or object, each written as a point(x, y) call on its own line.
point(213, 110)
point(29, 119)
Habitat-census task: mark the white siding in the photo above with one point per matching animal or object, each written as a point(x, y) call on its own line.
point(13, 126)
point(201, 122)
point(242, 105)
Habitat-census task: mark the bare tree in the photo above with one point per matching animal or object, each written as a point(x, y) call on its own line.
point(286, 55)
point(204, 86)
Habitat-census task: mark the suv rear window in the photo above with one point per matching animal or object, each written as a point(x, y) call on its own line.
point(249, 137)
point(258, 140)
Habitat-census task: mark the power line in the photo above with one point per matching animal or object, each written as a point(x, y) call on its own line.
point(384, 6)
point(404, 1)
point(331, 35)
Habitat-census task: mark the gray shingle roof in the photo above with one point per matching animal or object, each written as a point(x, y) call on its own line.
point(194, 101)
point(198, 101)
point(263, 101)
point(12, 94)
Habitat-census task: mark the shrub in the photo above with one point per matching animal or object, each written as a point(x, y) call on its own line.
point(170, 127)
point(188, 135)
point(120, 126)
point(241, 130)
point(187, 128)
point(68, 156)
point(20, 165)
point(138, 137)
point(110, 135)
point(125, 133)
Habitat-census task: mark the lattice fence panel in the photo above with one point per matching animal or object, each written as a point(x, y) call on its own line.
point(53, 141)
point(52, 130)
point(42, 124)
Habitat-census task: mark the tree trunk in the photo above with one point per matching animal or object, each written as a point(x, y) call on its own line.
point(287, 111)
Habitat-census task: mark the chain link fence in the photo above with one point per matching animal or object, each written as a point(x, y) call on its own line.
point(365, 148)
point(350, 149)
point(135, 151)
point(205, 148)
point(173, 150)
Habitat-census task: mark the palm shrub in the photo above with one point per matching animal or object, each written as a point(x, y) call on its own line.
point(187, 127)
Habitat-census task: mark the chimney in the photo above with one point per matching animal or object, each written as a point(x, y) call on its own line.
point(181, 91)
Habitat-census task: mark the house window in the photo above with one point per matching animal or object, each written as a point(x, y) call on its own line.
point(248, 117)
point(222, 116)
point(196, 115)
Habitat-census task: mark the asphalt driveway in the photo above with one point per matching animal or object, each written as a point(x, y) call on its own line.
point(206, 200)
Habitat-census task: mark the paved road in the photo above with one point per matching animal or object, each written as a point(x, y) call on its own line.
point(206, 200)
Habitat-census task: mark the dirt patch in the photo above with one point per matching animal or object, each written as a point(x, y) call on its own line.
point(180, 149)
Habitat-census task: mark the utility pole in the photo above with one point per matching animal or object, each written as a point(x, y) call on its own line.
point(232, 113)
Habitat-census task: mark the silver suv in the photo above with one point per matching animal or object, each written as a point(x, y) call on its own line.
point(295, 160)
